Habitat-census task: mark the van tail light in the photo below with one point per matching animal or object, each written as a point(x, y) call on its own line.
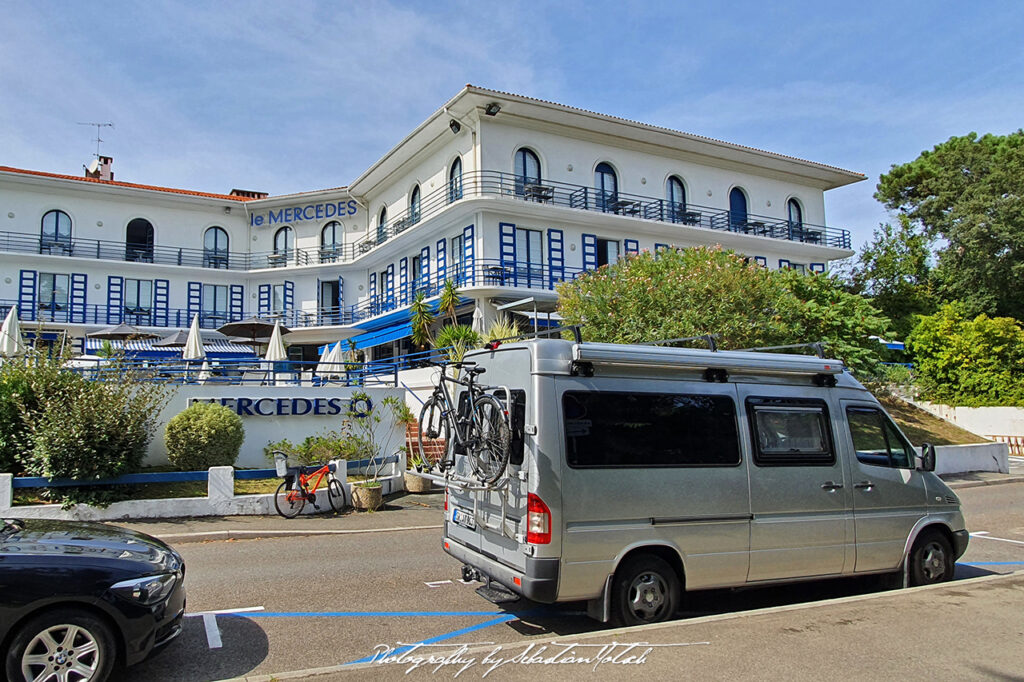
point(446, 499)
point(538, 521)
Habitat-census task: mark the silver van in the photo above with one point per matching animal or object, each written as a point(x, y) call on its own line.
point(638, 473)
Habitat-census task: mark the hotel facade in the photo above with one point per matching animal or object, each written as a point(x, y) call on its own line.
point(504, 195)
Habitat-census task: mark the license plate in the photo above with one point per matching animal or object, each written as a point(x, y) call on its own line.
point(463, 518)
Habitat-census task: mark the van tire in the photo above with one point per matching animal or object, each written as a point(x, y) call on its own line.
point(931, 559)
point(645, 590)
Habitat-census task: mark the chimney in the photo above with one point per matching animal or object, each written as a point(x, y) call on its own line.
point(249, 194)
point(100, 170)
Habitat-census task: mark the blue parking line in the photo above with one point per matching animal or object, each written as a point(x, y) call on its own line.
point(440, 638)
point(991, 563)
point(358, 614)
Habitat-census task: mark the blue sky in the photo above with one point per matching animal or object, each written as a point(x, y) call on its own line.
point(301, 95)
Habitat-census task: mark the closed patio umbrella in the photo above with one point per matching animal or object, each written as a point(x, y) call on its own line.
point(275, 347)
point(11, 343)
point(334, 364)
point(194, 343)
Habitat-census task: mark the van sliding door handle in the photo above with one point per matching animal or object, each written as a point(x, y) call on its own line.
point(864, 485)
point(830, 486)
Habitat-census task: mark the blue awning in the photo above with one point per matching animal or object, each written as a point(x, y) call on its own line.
point(380, 336)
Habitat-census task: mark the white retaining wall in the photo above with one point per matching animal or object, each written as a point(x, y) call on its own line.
point(984, 421)
point(267, 415)
point(220, 501)
point(961, 459)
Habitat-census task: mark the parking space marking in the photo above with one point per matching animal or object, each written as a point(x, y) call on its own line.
point(438, 583)
point(983, 534)
point(213, 639)
point(398, 651)
point(360, 614)
point(991, 563)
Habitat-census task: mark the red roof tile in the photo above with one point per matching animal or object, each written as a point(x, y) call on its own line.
point(114, 183)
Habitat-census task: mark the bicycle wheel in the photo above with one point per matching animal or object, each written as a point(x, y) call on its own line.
point(288, 501)
point(435, 432)
point(489, 439)
point(336, 494)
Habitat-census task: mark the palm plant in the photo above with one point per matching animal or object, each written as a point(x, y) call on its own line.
point(449, 300)
point(422, 316)
point(502, 328)
point(456, 340)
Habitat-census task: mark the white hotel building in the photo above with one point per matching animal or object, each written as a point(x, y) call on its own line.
point(505, 195)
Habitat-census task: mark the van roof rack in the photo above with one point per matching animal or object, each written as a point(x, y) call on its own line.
point(817, 346)
point(547, 333)
point(709, 339)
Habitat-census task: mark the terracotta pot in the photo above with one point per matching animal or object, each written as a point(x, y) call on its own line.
point(417, 484)
point(367, 498)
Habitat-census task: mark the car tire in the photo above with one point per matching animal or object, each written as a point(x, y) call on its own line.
point(645, 590)
point(931, 559)
point(49, 641)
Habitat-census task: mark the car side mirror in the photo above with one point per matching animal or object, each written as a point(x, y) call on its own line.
point(927, 458)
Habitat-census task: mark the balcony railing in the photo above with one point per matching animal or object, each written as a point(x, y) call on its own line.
point(472, 185)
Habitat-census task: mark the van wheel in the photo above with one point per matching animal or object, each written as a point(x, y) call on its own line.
point(645, 590)
point(931, 559)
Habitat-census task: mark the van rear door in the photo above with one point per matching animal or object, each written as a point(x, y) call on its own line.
point(492, 520)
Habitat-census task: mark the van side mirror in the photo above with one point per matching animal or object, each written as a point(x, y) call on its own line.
point(927, 458)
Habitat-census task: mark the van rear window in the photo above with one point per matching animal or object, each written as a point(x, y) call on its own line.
point(607, 429)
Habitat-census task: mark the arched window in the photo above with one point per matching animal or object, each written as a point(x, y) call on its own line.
point(215, 248)
point(527, 170)
point(138, 240)
point(414, 205)
point(737, 210)
point(607, 186)
point(284, 245)
point(330, 241)
point(675, 194)
point(55, 232)
point(382, 225)
point(455, 181)
point(795, 214)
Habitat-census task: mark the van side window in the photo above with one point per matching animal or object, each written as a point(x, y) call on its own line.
point(607, 429)
point(518, 414)
point(876, 440)
point(790, 432)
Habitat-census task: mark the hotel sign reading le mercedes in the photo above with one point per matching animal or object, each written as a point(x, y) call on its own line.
point(287, 407)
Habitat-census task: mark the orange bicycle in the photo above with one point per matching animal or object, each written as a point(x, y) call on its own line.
point(293, 493)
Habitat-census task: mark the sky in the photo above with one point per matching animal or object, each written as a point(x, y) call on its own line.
point(301, 95)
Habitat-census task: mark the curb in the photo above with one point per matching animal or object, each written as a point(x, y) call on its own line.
point(977, 484)
point(237, 534)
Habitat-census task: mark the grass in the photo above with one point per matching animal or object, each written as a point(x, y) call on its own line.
point(924, 427)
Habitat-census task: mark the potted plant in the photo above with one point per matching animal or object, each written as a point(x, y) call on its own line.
point(361, 427)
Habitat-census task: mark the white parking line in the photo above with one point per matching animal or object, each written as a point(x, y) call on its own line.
point(210, 623)
point(983, 534)
point(438, 583)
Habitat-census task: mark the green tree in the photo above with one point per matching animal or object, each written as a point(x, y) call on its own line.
point(675, 294)
point(893, 269)
point(970, 192)
point(421, 317)
point(449, 300)
point(961, 360)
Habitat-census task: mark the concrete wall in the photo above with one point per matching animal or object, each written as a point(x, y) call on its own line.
point(961, 459)
point(261, 430)
point(984, 421)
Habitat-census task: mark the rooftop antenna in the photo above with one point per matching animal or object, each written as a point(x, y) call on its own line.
point(97, 140)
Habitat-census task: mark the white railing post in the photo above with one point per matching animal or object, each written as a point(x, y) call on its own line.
point(220, 485)
point(6, 493)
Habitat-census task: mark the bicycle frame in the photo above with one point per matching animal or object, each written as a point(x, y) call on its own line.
point(460, 428)
point(303, 480)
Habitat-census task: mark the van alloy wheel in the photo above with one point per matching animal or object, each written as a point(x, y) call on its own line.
point(645, 590)
point(931, 559)
point(647, 595)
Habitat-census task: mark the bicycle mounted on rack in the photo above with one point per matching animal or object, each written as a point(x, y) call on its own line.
point(478, 426)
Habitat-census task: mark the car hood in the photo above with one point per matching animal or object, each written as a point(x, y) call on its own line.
point(41, 537)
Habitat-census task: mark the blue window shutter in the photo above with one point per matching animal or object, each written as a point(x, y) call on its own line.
point(589, 252)
point(508, 244)
point(373, 293)
point(237, 302)
point(761, 260)
point(76, 298)
point(632, 246)
point(783, 263)
point(425, 269)
point(403, 281)
point(289, 295)
point(468, 257)
point(115, 299)
point(442, 260)
point(817, 268)
point(389, 287)
point(27, 295)
point(341, 296)
point(556, 257)
point(264, 299)
point(161, 294)
point(195, 300)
